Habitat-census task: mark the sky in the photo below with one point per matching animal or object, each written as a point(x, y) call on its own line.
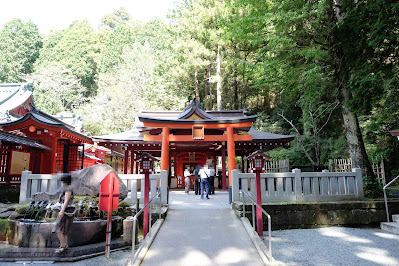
point(57, 14)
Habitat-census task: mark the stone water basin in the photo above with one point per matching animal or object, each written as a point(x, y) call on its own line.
point(30, 233)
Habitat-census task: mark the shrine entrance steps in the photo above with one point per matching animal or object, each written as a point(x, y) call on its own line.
point(201, 232)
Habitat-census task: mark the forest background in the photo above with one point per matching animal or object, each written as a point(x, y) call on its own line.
point(324, 70)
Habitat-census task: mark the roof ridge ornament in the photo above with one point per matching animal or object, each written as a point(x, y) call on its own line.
point(194, 107)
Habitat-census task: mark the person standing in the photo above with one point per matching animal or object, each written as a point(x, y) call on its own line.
point(187, 175)
point(211, 180)
point(66, 214)
point(197, 180)
point(204, 174)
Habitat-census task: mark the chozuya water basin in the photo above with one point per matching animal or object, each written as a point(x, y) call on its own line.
point(32, 225)
point(30, 233)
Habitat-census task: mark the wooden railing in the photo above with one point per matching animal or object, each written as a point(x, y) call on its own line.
point(297, 186)
point(50, 183)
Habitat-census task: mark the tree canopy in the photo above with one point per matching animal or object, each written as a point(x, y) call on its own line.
point(326, 71)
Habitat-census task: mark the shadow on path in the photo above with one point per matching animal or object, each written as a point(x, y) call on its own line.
point(201, 232)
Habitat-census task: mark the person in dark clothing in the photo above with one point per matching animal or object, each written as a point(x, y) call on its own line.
point(219, 179)
point(197, 180)
point(211, 180)
point(66, 214)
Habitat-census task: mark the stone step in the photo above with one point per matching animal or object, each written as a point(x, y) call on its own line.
point(391, 227)
point(395, 218)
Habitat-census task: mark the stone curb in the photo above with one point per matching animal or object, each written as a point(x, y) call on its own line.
point(146, 244)
point(258, 243)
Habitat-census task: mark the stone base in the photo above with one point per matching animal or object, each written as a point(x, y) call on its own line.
point(39, 235)
point(10, 253)
point(314, 215)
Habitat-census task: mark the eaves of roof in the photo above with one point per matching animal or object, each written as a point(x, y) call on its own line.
point(225, 120)
point(266, 136)
point(20, 140)
point(13, 94)
point(46, 119)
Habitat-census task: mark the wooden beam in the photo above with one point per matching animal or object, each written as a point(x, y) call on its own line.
point(186, 138)
point(190, 125)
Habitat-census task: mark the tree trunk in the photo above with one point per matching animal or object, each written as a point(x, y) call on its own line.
point(197, 94)
point(354, 137)
point(208, 98)
point(235, 99)
point(219, 82)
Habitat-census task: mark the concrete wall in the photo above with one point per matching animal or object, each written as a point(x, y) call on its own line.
point(314, 215)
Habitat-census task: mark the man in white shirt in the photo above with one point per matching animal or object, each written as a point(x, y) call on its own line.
point(204, 174)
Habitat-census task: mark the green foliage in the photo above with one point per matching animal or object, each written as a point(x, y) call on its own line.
point(56, 88)
point(119, 39)
point(4, 227)
point(265, 123)
point(20, 43)
point(75, 49)
point(372, 188)
point(289, 57)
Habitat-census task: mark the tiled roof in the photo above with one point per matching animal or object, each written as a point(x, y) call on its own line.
point(46, 119)
point(20, 140)
point(12, 95)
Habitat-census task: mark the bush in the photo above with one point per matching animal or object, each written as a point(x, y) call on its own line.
point(372, 188)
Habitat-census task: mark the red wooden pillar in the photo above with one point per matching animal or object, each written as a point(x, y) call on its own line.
point(165, 149)
point(54, 156)
point(259, 220)
point(146, 199)
point(224, 187)
point(231, 152)
point(125, 161)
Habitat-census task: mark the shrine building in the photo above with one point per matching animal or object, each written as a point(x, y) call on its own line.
point(64, 151)
point(192, 137)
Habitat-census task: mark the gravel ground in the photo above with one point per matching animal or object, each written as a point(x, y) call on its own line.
point(335, 246)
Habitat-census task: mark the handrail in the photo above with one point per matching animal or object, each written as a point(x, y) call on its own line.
point(385, 195)
point(135, 220)
point(269, 222)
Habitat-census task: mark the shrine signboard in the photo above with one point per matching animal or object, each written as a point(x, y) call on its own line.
point(108, 201)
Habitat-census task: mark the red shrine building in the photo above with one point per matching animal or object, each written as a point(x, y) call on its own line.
point(33, 140)
point(63, 141)
point(192, 137)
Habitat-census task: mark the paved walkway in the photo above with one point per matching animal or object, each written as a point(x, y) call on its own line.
point(201, 232)
point(203, 221)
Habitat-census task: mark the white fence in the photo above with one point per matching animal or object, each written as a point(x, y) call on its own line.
point(297, 186)
point(36, 183)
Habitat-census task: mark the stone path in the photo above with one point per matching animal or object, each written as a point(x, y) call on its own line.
point(193, 225)
point(201, 232)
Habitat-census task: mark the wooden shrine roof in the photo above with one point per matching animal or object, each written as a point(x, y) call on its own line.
point(201, 116)
point(12, 97)
point(21, 140)
point(47, 120)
